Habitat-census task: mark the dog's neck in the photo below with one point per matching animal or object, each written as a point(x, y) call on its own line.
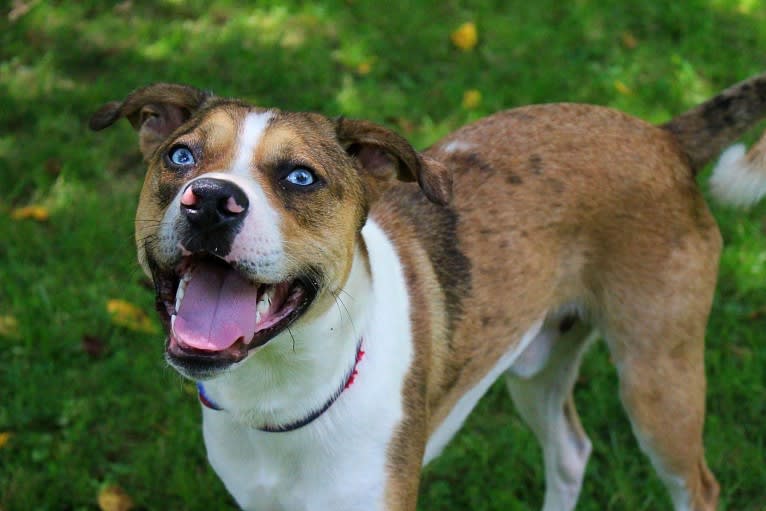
point(299, 372)
point(311, 416)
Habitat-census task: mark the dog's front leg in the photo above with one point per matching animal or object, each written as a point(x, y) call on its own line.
point(405, 453)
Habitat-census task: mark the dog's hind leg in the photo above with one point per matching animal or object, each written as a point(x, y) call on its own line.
point(653, 318)
point(540, 382)
point(662, 387)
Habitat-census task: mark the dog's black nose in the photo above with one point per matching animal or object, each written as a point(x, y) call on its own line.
point(211, 203)
point(214, 210)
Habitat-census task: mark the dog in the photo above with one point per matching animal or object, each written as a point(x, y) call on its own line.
point(343, 301)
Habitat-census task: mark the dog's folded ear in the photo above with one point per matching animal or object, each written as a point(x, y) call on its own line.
point(154, 111)
point(384, 155)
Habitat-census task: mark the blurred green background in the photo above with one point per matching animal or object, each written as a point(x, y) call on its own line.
point(87, 402)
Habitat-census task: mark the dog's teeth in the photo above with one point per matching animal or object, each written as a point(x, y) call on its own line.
point(257, 317)
point(264, 303)
point(185, 278)
point(173, 321)
point(180, 293)
point(263, 306)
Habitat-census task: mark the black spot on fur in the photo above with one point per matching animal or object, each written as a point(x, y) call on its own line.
point(513, 179)
point(476, 161)
point(436, 227)
point(536, 164)
point(462, 162)
point(556, 185)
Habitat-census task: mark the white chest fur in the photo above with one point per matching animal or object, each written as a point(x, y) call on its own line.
point(338, 461)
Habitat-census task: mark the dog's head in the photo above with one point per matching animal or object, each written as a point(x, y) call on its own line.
point(249, 217)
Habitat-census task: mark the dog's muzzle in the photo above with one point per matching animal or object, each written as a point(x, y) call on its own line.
point(216, 307)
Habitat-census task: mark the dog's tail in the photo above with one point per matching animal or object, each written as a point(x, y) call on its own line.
point(703, 132)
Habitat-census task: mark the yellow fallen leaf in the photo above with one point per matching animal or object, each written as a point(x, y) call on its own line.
point(127, 315)
point(4, 437)
point(622, 88)
point(465, 36)
point(471, 99)
point(9, 326)
point(629, 40)
point(190, 389)
point(364, 68)
point(39, 213)
point(114, 498)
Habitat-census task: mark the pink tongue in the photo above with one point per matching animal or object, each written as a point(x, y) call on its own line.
point(217, 309)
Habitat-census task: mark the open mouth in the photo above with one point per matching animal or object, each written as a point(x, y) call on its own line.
point(215, 315)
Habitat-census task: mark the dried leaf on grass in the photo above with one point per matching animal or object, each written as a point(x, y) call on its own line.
point(53, 166)
point(9, 327)
point(629, 40)
point(471, 99)
point(19, 9)
point(622, 88)
point(5, 436)
point(364, 67)
point(123, 7)
point(465, 36)
point(38, 213)
point(127, 315)
point(93, 345)
point(114, 498)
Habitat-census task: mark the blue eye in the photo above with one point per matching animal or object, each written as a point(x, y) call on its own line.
point(300, 177)
point(182, 156)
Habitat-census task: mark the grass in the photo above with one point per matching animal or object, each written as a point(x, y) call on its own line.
point(80, 419)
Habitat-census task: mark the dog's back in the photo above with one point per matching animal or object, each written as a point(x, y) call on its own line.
point(546, 200)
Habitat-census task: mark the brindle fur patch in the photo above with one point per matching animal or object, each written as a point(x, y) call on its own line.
point(436, 228)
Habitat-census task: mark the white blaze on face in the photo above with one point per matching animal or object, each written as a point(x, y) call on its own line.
point(250, 135)
point(258, 248)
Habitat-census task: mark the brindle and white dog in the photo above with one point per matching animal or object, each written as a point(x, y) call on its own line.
point(343, 321)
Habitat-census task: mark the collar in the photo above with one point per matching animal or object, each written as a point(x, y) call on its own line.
point(311, 417)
